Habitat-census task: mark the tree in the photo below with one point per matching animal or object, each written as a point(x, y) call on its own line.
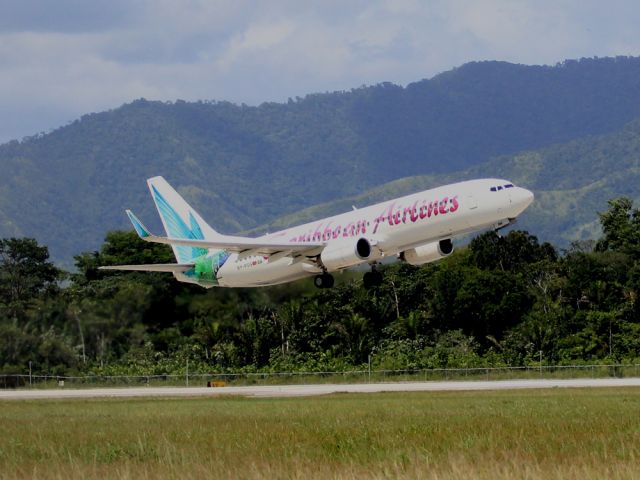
point(119, 248)
point(488, 303)
point(621, 228)
point(25, 274)
point(515, 251)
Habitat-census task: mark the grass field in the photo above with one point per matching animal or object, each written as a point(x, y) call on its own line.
point(581, 434)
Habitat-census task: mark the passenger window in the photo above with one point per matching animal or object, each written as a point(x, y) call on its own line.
point(509, 185)
point(493, 189)
point(499, 188)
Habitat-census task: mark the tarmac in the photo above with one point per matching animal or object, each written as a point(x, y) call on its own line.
point(315, 389)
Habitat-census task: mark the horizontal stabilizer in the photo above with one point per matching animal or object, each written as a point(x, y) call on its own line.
point(141, 230)
point(157, 267)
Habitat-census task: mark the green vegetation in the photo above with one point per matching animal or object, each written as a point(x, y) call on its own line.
point(243, 166)
point(502, 301)
point(569, 434)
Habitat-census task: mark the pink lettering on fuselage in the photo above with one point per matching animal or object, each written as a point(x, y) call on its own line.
point(393, 214)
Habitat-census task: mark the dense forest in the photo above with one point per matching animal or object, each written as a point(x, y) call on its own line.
point(243, 166)
point(498, 301)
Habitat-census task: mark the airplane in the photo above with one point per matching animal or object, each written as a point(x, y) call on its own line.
point(416, 228)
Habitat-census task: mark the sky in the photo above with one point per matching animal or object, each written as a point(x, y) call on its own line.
point(60, 59)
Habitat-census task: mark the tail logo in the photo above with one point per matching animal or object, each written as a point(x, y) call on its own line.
point(177, 228)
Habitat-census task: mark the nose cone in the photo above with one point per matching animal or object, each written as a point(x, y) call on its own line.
point(521, 198)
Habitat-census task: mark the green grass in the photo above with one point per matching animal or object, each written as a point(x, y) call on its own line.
point(534, 434)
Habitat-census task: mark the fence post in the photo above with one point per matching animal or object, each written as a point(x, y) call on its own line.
point(541, 363)
point(187, 373)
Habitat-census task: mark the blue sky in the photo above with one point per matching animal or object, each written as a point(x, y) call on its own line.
point(64, 58)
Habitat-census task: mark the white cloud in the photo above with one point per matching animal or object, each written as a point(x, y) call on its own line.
point(257, 40)
point(59, 60)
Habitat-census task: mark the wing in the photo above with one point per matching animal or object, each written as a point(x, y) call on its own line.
point(242, 245)
point(157, 267)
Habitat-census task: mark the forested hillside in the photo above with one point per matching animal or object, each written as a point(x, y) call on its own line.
point(572, 182)
point(243, 166)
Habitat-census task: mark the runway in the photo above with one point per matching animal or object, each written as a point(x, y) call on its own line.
point(313, 390)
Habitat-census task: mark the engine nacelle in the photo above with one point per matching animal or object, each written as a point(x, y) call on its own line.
point(428, 253)
point(347, 252)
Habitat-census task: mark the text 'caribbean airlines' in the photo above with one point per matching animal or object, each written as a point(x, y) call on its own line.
point(417, 228)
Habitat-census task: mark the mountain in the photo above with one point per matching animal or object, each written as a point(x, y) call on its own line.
point(572, 182)
point(243, 166)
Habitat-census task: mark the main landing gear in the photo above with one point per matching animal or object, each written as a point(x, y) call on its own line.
point(324, 280)
point(372, 279)
point(369, 279)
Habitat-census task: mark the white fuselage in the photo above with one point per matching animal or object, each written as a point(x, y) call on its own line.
point(391, 227)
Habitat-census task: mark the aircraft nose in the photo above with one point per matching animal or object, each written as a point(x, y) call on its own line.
point(521, 197)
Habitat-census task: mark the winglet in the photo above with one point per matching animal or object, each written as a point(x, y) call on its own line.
point(141, 230)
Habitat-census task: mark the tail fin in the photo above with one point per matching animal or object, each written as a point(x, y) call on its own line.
point(179, 219)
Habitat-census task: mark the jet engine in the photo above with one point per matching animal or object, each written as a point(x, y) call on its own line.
point(428, 253)
point(347, 252)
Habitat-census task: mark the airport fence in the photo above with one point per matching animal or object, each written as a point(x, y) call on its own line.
point(352, 376)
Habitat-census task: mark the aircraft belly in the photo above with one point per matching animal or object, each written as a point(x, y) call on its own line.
point(258, 271)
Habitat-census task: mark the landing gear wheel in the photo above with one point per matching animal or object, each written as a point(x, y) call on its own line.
point(323, 281)
point(328, 280)
point(372, 279)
